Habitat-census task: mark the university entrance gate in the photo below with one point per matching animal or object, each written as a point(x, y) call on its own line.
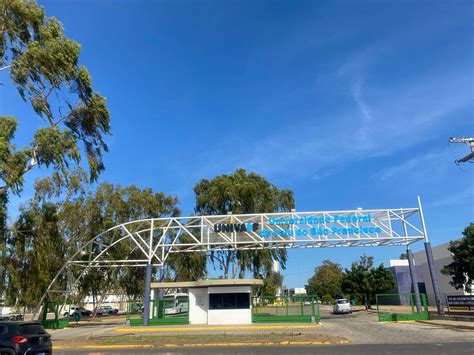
point(158, 238)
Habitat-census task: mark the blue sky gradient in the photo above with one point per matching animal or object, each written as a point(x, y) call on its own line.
point(348, 103)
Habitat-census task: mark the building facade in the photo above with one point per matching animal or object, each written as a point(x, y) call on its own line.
point(442, 257)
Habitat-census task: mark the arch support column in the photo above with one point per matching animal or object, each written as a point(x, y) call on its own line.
point(146, 301)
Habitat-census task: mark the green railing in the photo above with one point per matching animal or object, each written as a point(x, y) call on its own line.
point(401, 307)
point(297, 309)
point(162, 312)
point(51, 317)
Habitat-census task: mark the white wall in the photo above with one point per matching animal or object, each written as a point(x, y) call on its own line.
point(198, 305)
point(199, 312)
point(5, 311)
point(229, 316)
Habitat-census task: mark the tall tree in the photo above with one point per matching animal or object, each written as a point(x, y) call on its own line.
point(461, 269)
point(73, 119)
point(44, 67)
point(272, 283)
point(46, 234)
point(326, 281)
point(37, 252)
point(239, 193)
point(363, 279)
point(89, 215)
point(3, 244)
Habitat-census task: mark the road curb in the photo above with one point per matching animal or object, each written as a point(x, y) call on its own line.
point(439, 324)
point(191, 329)
point(196, 345)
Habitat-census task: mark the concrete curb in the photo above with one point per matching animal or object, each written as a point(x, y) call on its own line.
point(439, 324)
point(195, 345)
point(200, 329)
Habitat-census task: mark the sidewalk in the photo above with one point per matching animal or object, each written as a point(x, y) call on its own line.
point(449, 323)
point(221, 329)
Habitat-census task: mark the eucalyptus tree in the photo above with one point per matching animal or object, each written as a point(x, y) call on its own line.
point(82, 214)
point(90, 214)
point(37, 252)
point(240, 193)
point(43, 65)
point(72, 119)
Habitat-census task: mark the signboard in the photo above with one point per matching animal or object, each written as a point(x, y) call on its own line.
point(461, 301)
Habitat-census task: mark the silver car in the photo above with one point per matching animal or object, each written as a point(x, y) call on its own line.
point(342, 305)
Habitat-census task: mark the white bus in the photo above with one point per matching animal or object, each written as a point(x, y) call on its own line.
point(176, 303)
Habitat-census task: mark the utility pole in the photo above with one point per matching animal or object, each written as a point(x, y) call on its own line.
point(468, 141)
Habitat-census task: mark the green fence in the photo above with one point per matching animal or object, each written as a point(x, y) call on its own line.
point(285, 309)
point(167, 311)
point(51, 316)
point(401, 307)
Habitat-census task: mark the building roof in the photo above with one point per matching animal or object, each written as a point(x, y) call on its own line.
point(208, 283)
point(398, 262)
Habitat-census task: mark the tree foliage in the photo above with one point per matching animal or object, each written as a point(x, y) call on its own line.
point(43, 65)
point(272, 283)
point(3, 243)
point(46, 234)
point(73, 119)
point(37, 252)
point(326, 281)
point(109, 205)
point(461, 269)
point(365, 279)
point(240, 193)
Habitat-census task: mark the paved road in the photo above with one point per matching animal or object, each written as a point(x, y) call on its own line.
point(356, 349)
point(362, 329)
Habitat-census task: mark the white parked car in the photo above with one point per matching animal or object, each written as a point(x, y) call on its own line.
point(342, 305)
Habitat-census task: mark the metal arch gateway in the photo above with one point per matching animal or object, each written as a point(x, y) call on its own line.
point(156, 238)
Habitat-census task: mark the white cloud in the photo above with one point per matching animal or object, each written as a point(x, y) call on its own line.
point(465, 196)
point(364, 108)
point(419, 165)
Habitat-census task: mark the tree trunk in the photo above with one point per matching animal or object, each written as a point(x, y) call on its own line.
point(3, 243)
point(93, 305)
point(367, 301)
point(228, 259)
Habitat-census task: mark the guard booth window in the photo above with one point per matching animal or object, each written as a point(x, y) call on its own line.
point(229, 301)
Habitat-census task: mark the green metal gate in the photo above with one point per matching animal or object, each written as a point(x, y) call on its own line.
point(163, 312)
point(294, 309)
point(51, 317)
point(401, 307)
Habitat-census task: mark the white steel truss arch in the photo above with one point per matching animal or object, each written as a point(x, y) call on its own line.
point(156, 238)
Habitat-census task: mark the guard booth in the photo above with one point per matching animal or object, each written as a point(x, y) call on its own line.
point(215, 302)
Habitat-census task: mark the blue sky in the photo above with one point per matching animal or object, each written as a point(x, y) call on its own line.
point(348, 103)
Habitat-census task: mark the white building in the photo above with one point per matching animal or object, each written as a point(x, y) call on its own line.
point(216, 302)
point(296, 291)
